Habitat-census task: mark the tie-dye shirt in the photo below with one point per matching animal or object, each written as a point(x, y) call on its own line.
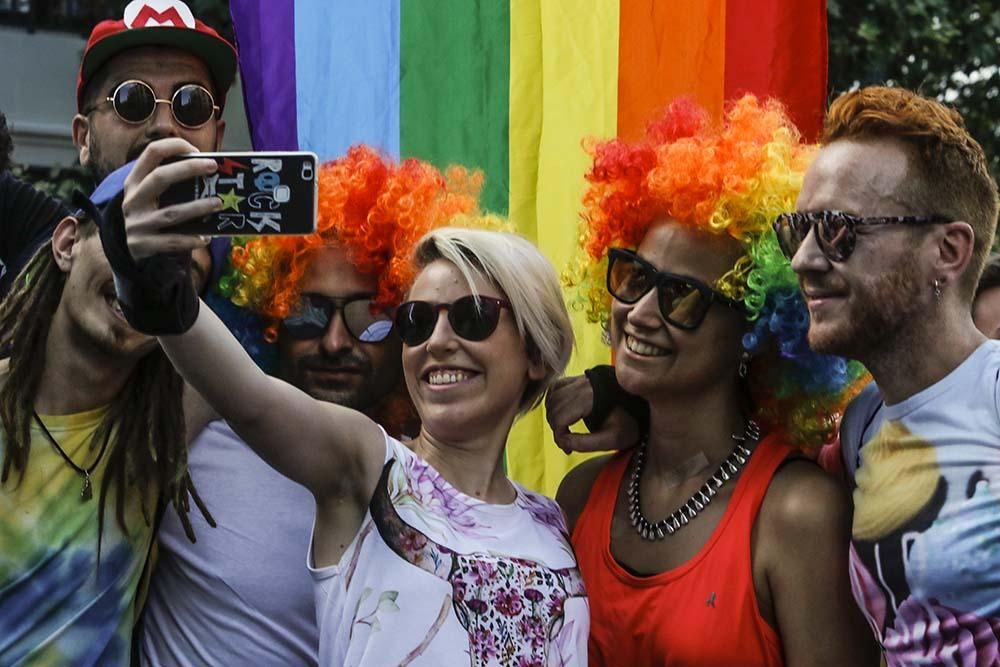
point(56, 606)
point(925, 556)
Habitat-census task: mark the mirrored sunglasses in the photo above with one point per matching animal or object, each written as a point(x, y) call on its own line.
point(836, 231)
point(684, 301)
point(364, 319)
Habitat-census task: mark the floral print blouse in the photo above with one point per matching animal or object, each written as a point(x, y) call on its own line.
point(435, 577)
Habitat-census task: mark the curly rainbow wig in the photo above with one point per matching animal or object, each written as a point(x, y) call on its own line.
point(375, 210)
point(730, 180)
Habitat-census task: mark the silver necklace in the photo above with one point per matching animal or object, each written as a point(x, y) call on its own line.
point(680, 517)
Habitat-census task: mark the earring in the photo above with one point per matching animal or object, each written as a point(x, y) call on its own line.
point(937, 288)
point(744, 368)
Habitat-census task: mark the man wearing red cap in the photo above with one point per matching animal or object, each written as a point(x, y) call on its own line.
point(157, 72)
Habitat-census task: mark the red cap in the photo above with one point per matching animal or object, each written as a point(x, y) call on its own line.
point(158, 23)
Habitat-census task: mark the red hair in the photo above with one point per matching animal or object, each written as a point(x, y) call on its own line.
point(948, 173)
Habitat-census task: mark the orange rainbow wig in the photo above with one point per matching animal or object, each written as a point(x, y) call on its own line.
point(373, 208)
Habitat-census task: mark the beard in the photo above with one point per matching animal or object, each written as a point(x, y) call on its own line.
point(882, 314)
point(371, 387)
point(100, 166)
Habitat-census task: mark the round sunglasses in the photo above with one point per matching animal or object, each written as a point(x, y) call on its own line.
point(135, 102)
point(472, 318)
point(364, 319)
point(836, 231)
point(683, 301)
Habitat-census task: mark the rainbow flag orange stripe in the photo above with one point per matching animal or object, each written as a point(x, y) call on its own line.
point(513, 87)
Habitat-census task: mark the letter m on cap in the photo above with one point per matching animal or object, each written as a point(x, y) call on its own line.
point(156, 13)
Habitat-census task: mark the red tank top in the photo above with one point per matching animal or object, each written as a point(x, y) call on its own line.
point(702, 613)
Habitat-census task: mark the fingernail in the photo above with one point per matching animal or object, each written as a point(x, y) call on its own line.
point(205, 239)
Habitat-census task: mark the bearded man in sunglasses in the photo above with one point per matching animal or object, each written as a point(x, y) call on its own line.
point(241, 594)
point(894, 222)
point(158, 72)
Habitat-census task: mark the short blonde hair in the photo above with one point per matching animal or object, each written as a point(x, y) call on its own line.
point(528, 280)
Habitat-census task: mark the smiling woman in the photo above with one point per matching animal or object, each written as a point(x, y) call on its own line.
point(708, 327)
point(429, 542)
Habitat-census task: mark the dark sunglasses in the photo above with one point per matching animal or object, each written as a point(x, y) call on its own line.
point(836, 232)
point(135, 102)
point(470, 318)
point(683, 301)
point(365, 320)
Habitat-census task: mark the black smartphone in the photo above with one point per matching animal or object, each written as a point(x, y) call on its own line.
point(262, 194)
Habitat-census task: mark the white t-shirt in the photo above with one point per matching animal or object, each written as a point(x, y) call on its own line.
point(239, 595)
point(925, 555)
point(440, 579)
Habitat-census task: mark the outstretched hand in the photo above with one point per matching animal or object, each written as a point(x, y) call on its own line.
point(571, 400)
point(152, 265)
point(147, 226)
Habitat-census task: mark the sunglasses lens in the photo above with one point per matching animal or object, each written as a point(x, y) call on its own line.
point(366, 321)
point(474, 321)
point(134, 101)
point(789, 235)
point(309, 322)
point(834, 237)
point(193, 106)
point(415, 322)
point(628, 280)
point(682, 304)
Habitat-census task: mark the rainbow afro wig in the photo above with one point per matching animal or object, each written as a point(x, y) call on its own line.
point(730, 180)
point(374, 209)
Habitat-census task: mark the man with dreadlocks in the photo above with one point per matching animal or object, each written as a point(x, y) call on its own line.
point(91, 410)
point(241, 595)
point(93, 436)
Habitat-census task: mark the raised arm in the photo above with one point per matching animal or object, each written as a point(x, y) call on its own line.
point(331, 450)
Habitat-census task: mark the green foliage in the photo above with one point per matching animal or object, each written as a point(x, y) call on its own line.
point(60, 182)
point(948, 49)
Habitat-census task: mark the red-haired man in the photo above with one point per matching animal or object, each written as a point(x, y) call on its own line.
point(892, 229)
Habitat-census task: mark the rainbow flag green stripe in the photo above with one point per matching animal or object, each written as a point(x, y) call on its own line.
point(455, 65)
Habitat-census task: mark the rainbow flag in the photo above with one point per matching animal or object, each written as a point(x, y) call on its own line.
point(512, 87)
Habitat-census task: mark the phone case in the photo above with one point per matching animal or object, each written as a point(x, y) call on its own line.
point(262, 194)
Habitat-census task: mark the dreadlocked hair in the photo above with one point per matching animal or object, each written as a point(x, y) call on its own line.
point(144, 425)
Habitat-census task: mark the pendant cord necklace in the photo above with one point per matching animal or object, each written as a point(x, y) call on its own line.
point(87, 492)
point(652, 531)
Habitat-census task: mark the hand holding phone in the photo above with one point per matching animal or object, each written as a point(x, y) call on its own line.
point(261, 193)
